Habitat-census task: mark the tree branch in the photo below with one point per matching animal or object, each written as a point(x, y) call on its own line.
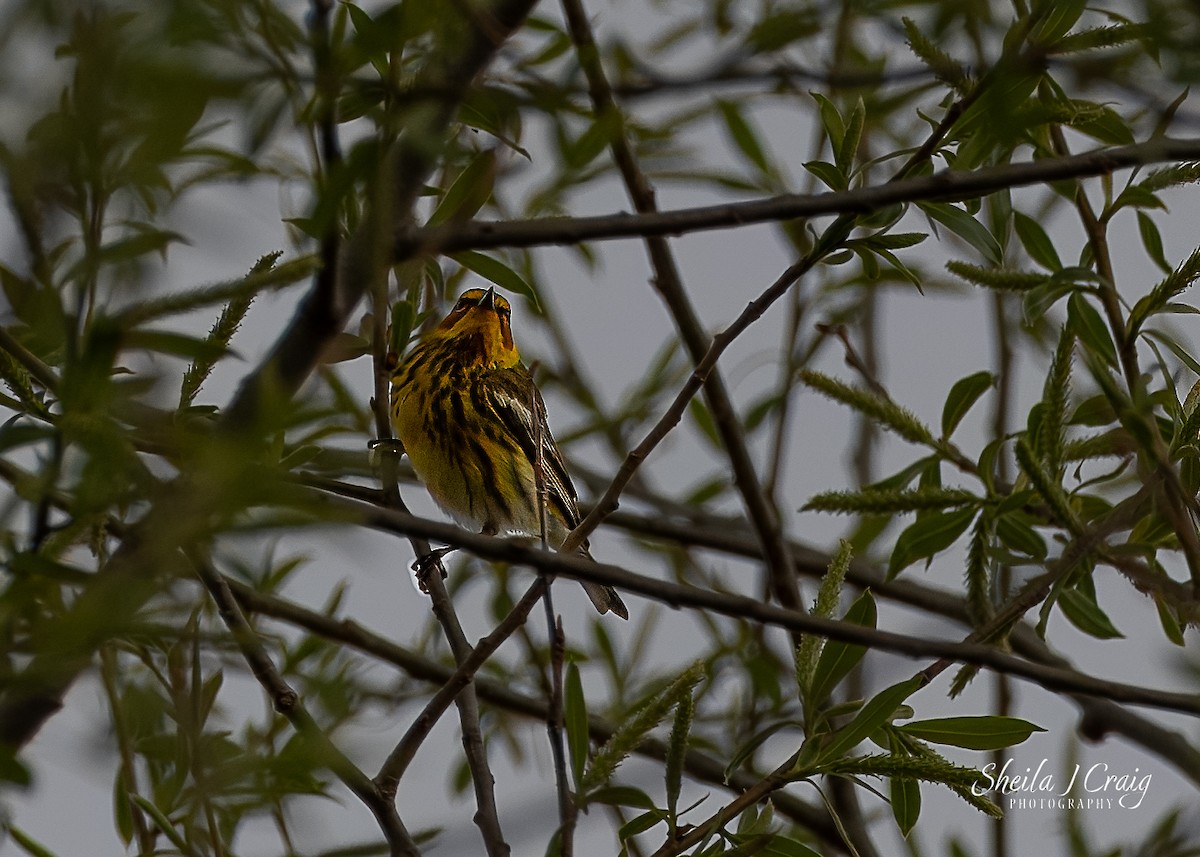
point(287, 702)
point(944, 185)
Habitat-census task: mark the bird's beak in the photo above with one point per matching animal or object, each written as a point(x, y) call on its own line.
point(489, 298)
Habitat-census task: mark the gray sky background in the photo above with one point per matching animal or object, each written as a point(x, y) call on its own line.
point(929, 342)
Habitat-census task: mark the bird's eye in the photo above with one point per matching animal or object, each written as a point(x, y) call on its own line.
point(504, 309)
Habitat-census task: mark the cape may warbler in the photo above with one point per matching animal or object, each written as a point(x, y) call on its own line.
point(469, 415)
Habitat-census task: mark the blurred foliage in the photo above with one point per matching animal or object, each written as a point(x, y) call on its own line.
point(117, 115)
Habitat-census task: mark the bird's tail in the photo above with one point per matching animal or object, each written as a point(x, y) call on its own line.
point(603, 596)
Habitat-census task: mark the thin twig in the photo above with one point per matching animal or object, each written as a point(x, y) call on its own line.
point(180, 512)
point(557, 647)
point(487, 817)
point(287, 702)
point(669, 284)
point(398, 761)
point(699, 765)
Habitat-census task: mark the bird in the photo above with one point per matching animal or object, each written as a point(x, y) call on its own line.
point(469, 417)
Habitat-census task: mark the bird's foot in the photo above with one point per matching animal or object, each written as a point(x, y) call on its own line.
point(425, 566)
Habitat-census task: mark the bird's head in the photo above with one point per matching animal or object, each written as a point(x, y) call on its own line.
point(479, 328)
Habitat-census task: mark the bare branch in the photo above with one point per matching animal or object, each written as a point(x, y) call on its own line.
point(945, 185)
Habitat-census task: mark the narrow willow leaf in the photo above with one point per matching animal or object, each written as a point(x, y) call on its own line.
point(747, 749)
point(1084, 613)
point(1085, 322)
point(622, 796)
point(833, 177)
point(838, 658)
point(990, 732)
point(1097, 38)
point(782, 846)
point(1170, 624)
point(468, 193)
point(495, 271)
point(965, 227)
point(877, 711)
point(743, 135)
point(905, 796)
point(928, 536)
point(831, 120)
point(1152, 241)
point(1036, 242)
point(848, 150)
point(122, 807)
point(1054, 19)
point(575, 720)
point(164, 824)
point(27, 842)
point(965, 393)
point(1015, 530)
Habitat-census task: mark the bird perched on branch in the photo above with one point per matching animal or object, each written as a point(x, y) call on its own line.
point(471, 421)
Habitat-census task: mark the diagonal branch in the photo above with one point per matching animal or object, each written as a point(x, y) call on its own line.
point(669, 284)
point(287, 702)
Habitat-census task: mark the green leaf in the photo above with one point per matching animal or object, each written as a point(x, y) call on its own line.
point(641, 823)
point(838, 658)
point(622, 796)
point(965, 393)
point(178, 344)
point(164, 824)
point(833, 177)
point(831, 121)
point(1170, 624)
point(965, 227)
point(575, 720)
point(848, 149)
point(927, 536)
point(1036, 242)
point(1084, 613)
point(469, 191)
point(782, 846)
point(877, 711)
point(1055, 18)
point(991, 732)
point(905, 797)
point(1085, 322)
point(495, 271)
point(743, 136)
point(24, 840)
point(1015, 531)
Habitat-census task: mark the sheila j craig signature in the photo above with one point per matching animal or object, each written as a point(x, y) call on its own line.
point(1100, 786)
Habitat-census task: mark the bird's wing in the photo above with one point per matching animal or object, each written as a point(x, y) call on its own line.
point(512, 394)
